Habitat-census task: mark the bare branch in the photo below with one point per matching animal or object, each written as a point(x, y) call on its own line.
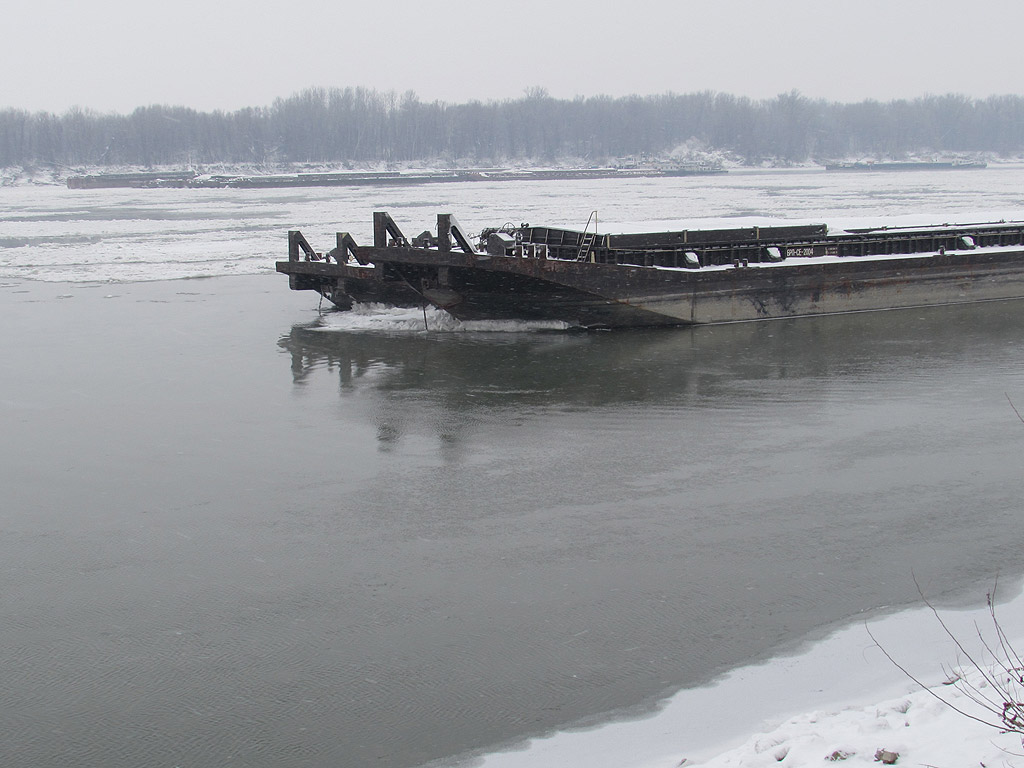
point(998, 686)
point(1014, 407)
point(946, 629)
point(925, 687)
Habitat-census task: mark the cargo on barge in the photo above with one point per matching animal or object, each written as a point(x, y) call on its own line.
point(587, 279)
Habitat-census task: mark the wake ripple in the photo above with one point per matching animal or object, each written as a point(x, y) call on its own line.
point(389, 319)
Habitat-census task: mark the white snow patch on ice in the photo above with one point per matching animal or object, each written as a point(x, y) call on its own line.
point(835, 223)
point(794, 261)
point(125, 235)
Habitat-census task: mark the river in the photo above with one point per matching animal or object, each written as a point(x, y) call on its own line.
point(242, 531)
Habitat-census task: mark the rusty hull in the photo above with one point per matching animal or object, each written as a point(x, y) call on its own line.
point(473, 286)
point(908, 269)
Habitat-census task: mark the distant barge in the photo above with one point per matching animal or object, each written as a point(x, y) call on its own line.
point(908, 165)
point(593, 280)
point(157, 179)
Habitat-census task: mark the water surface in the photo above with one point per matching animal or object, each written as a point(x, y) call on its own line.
point(237, 532)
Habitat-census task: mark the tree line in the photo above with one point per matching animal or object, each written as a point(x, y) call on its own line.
point(364, 126)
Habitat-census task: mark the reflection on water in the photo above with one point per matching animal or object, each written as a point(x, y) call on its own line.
point(737, 366)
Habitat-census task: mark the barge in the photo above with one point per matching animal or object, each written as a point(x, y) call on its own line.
point(907, 165)
point(192, 179)
point(605, 280)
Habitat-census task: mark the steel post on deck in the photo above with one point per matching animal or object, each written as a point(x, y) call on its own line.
point(449, 227)
point(296, 243)
point(384, 225)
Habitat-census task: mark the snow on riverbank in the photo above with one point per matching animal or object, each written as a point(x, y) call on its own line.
point(839, 701)
point(916, 729)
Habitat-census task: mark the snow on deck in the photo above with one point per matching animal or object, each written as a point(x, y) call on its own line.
point(836, 226)
point(793, 261)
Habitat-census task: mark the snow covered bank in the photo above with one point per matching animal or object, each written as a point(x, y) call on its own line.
point(839, 700)
point(916, 729)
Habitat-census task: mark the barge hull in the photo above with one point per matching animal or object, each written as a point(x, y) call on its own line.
point(598, 295)
point(629, 281)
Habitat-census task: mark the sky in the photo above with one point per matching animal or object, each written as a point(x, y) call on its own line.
point(116, 55)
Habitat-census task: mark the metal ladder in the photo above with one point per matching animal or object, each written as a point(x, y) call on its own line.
point(588, 238)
